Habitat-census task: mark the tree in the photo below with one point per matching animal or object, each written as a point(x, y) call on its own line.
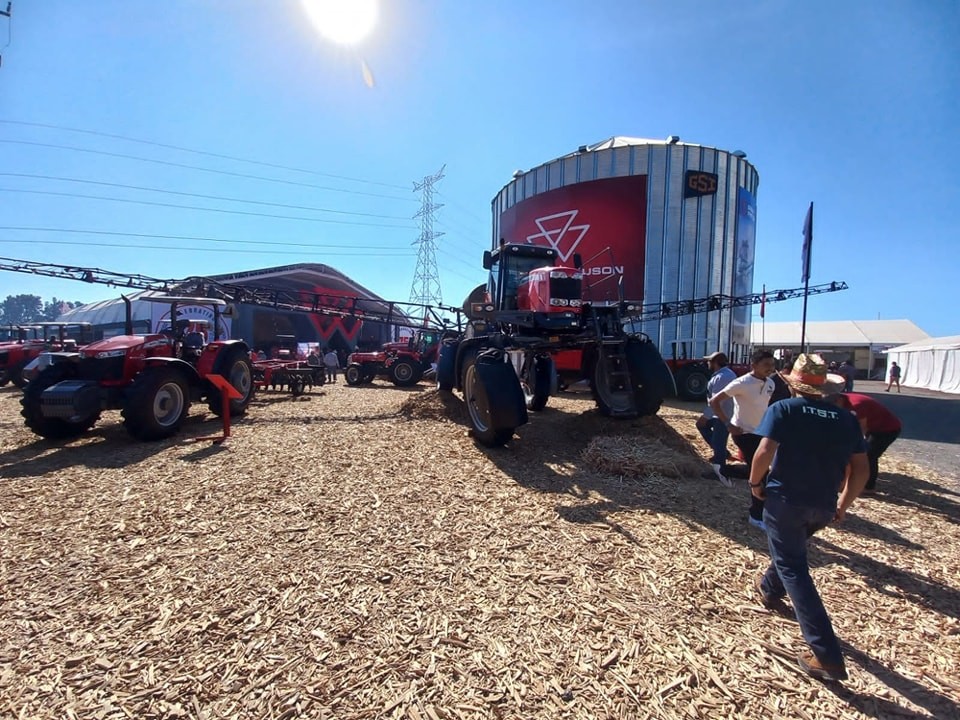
point(21, 309)
point(55, 308)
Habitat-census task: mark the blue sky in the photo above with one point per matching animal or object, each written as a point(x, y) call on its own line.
point(852, 105)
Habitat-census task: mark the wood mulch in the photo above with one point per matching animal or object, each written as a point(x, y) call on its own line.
point(354, 554)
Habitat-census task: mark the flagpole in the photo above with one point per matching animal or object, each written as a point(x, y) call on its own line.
point(808, 252)
point(763, 318)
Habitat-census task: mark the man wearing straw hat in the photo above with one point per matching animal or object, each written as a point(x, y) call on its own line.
point(809, 441)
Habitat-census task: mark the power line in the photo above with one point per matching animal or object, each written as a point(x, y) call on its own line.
point(460, 207)
point(111, 233)
point(202, 209)
point(200, 152)
point(192, 249)
point(202, 169)
point(200, 195)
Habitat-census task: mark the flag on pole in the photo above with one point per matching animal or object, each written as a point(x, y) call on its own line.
point(763, 302)
point(807, 244)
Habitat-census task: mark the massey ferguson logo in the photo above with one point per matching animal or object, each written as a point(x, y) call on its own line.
point(560, 232)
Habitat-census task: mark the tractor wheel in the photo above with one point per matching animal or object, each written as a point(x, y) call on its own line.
point(652, 380)
point(610, 383)
point(404, 373)
point(370, 372)
point(236, 368)
point(477, 398)
point(692, 381)
point(447, 365)
point(156, 403)
point(15, 373)
point(3, 378)
point(52, 428)
point(537, 381)
point(354, 374)
point(297, 385)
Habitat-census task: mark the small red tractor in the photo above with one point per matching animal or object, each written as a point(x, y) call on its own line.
point(152, 379)
point(404, 363)
point(16, 357)
point(286, 371)
point(532, 307)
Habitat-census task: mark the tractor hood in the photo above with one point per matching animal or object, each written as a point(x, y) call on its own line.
point(120, 344)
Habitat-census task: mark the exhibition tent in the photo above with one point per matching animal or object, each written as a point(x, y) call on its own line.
point(933, 363)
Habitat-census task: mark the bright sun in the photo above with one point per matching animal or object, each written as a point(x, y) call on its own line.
point(344, 22)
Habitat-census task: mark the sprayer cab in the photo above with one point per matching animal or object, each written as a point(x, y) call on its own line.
point(528, 286)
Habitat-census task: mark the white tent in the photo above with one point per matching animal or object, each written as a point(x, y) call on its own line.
point(933, 363)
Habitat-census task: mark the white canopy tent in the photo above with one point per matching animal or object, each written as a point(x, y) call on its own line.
point(933, 363)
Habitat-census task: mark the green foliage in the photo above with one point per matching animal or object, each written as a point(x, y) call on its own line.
point(24, 309)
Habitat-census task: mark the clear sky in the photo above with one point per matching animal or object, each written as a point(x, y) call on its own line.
point(853, 105)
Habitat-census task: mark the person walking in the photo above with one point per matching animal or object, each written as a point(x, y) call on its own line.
point(711, 428)
point(751, 395)
point(880, 427)
point(809, 442)
point(849, 373)
point(332, 364)
point(894, 376)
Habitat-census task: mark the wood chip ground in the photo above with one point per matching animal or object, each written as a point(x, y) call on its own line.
point(354, 554)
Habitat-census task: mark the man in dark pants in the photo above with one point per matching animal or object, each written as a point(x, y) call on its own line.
point(751, 395)
point(809, 441)
point(710, 426)
point(880, 428)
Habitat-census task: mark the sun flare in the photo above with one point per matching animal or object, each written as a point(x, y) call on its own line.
point(345, 22)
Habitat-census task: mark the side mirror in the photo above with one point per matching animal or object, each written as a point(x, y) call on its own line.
point(577, 261)
point(487, 259)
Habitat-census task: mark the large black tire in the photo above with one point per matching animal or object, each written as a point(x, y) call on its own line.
point(493, 396)
point(652, 379)
point(15, 372)
point(613, 394)
point(405, 373)
point(156, 403)
point(447, 365)
point(52, 428)
point(354, 374)
point(692, 381)
point(3, 378)
point(538, 381)
point(236, 368)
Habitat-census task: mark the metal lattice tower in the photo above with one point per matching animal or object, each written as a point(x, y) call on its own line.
point(426, 280)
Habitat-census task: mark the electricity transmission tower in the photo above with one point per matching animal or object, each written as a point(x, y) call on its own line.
point(426, 280)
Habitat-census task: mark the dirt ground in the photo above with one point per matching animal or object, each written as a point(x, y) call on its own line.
point(354, 554)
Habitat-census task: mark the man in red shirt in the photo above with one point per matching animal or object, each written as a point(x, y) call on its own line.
point(880, 428)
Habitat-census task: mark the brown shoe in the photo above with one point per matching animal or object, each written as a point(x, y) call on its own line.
point(766, 599)
point(812, 666)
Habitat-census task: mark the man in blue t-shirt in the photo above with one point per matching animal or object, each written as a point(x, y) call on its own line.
point(809, 441)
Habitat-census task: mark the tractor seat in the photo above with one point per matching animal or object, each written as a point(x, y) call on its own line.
point(193, 341)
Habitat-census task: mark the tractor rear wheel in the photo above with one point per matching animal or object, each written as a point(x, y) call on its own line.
point(354, 374)
point(156, 403)
point(3, 378)
point(404, 373)
point(236, 369)
point(692, 381)
point(52, 428)
point(477, 399)
point(537, 381)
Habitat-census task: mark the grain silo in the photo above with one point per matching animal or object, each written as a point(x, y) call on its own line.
point(664, 220)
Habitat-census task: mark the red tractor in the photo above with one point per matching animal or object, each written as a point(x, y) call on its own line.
point(152, 379)
point(15, 357)
point(531, 308)
point(404, 362)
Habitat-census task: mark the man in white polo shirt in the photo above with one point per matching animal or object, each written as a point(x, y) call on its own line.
point(751, 396)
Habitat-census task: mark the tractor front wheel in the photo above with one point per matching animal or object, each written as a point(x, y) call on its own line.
point(52, 428)
point(692, 381)
point(236, 368)
point(354, 374)
point(156, 403)
point(537, 381)
point(476, 396)
point(404, 373)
